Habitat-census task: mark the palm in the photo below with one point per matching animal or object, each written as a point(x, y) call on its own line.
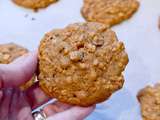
point(13, 104)
point(17, 105)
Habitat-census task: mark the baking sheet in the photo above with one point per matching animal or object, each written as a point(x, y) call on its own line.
point(140, 35)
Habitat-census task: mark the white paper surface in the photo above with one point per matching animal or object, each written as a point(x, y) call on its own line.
point(140, 35)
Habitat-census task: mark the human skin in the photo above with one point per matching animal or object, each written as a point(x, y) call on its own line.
point(18, 105)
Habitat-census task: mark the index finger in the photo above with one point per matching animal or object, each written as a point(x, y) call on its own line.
point(19, 71)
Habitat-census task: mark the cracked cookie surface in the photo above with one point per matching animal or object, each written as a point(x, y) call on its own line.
point(109, 12)
point(81, 64)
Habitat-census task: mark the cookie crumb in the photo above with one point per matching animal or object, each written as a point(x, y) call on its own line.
point(33, 18)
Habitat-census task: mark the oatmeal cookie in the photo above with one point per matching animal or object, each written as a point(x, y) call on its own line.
point(110, 12)
point(81, 64)
point(149, 99)
point(34, 4)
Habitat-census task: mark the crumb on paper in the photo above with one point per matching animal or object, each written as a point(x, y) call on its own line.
point(33, 18)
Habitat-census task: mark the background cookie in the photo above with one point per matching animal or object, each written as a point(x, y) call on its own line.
point(34, 4)
point(8, 53)
point(110, 12)
point(81, 64)
point(149, 99)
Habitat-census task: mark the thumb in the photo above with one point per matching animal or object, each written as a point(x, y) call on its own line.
point(19, 71)
point(75, 113)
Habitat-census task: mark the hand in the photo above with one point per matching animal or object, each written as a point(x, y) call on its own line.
point(18, 105)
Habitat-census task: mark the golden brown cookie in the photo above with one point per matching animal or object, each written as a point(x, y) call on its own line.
point(109, 12)
point(149, 99)
point(34, 4)
point(8, 53)
point(81, 64)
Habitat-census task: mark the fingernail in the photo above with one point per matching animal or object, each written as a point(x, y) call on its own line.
point(27, 54)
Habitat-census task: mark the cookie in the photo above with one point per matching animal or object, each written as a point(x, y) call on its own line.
point(34, 4)
point(149, 99)
point(8, 53)
point(81, 64)
point(109, 12)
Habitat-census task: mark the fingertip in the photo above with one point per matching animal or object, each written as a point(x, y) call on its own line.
point(81, 112)
point(49, 110)
point(28, 57)
point(35, 51)
point(84, 110)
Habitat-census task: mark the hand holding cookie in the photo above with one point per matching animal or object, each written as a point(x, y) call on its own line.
point(20, 104)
